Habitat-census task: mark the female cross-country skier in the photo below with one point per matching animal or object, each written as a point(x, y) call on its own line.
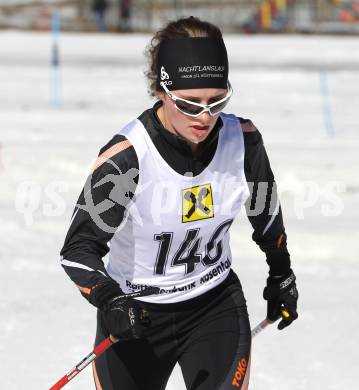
point(163, 194)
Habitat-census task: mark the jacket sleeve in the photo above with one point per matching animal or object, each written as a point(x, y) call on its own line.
point(100, 210)
point(263, 207)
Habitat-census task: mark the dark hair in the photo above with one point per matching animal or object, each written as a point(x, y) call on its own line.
point(190, 27)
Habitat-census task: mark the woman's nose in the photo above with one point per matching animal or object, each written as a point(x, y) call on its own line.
point(205, 117)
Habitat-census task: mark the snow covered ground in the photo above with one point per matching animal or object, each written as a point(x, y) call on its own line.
point(301, 92)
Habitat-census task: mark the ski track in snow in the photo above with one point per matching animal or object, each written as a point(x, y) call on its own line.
point(46, 326)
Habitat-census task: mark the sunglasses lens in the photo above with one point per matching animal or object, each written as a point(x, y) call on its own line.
point(188, 108)
point(218, 107)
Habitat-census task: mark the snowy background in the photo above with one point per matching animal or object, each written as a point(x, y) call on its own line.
point(300, 91)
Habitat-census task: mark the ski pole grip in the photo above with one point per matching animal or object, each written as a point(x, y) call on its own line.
point(285, 314)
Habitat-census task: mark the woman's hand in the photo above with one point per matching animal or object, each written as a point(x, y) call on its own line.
point(281, 295)
point(124, 319)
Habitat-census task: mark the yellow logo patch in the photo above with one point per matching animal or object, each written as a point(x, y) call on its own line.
point(197, 203)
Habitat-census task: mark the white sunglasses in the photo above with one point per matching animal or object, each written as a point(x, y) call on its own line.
point(195, 109)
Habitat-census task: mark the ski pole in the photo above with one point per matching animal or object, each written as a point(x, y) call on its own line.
point(106, 344)
point(262, 325)
point(100, 348)
point(97, 351)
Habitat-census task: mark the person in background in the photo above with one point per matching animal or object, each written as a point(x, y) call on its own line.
point(125, 11)
point(99, 7)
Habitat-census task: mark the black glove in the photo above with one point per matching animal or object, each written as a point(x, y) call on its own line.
point(103, 292)
point(123, 315)
point(282, 296)
point(125, 318)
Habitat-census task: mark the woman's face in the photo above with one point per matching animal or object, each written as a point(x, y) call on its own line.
point(191, 129)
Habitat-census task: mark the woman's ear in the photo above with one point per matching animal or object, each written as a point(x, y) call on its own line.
point(160, 95)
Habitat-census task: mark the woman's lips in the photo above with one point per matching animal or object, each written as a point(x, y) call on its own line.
point(200, 130)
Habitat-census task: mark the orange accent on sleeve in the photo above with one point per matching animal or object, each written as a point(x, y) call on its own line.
point(113, 150)
point(279, 241)
point(85, 290)
point(95, 377)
